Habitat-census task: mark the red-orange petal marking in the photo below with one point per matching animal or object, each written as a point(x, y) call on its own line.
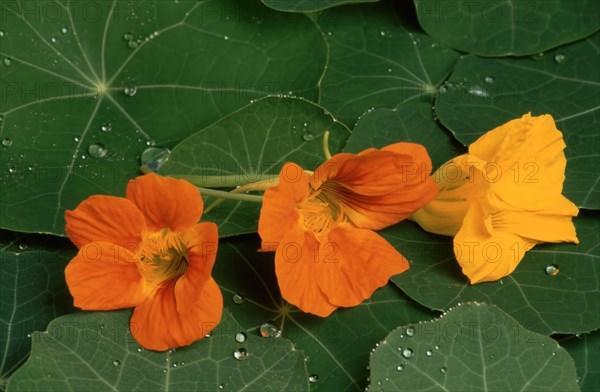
point(202, 242)
point(104, 276)
point(105, 218)
point(157, 325)
point(166, 202)
point(353, 263)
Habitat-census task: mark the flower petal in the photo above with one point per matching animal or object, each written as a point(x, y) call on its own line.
point(543, 227)
point(296, 272)
point(104, 276)
point(486, 254)
point(201, 242)
point(353, 263)
point(278, 213)
point(105, 218)
point(157, 325)
point(166, 202)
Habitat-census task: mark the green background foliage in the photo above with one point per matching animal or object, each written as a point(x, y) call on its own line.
point(238, 88)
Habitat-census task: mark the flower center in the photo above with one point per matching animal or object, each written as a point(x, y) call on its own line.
point(163, 257)
point(322, 211)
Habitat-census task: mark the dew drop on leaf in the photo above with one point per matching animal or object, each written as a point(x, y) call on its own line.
point(552, 269)
point(240, 354)
point(130, 91)
point(308, 137)
point(116, 362)
point(400, 368)
point(443, 370)
point(240, 337)
point(489, 79)
point(12, 169)
point(64, 30)
point(407, 353)
point(7, 61)
point(154, 157)
point(106, 127)
point(268, 330)
point(313, 378)
point(6, 142)
point(410, 331)
point(560, 58)
point(238, 299)
point(97, 150)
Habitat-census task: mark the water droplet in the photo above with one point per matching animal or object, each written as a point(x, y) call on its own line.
point(429, 353)
point(538, 56)
point(437, 347)
point(101, 326)
point(171, 351)
point(140, 349)
point(492, 356)
point(221, 386)
point(154, 157)
point(128, 36)
point(97, 150)
point(106, 127)
point(130, 91)
point(29, 335)
point(48, 375)
point(560, 58)
point(478, 92)
point(410, 331)
point(64, 30)
point(268, 330)
point(313, 378)
point(489, 79)
point(175, 364)
point(308, 137)
point(116, 362)
point(12, 169)
point(7, 61)
point(225, 38)
point(133, 44)
point(22, 246)
point(238, 299)
point(2, 33)
point(382, 33)
point(443, 370)
point(164, 370)
point(6, 142)
point(208, 335)
point(400, 368)
point(407, 353)
point(76, 138)
point(240, 337)
point(1, 118)
point(240, 354)
point(552, 270)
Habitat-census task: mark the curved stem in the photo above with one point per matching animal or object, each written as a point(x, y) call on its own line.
point(326, 151)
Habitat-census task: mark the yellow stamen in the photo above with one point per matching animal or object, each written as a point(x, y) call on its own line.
point(163, 256)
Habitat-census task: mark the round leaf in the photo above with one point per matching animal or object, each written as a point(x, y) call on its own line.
point(309, 5)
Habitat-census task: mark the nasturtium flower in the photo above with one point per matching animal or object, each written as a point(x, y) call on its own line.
point(321, 225)
point(147, 251)
point(503, 198)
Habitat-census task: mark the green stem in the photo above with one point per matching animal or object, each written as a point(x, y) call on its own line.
point(230, 195)
point(220, 181)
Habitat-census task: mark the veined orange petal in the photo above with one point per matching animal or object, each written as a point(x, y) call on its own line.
point(104, 276)
point(353, 263)
point(278, 213)
point(166, 202)
point(105, 218)
point(201, 242)
point(483, 253)
point(157, 325)
point(296, 270)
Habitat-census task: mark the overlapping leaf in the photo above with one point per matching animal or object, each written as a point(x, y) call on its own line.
point(336, 347)
point(95, 351)
point(473, 347)
point(377, 60)
point(309, 5)
point(86, 89)
point(32, 292)
point(543, 302)
point(251, 144)
point(585, 350)
point(507, 27)
point(484, 93)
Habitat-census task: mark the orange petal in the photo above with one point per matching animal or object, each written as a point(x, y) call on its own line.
point(483, 253)
point(157, 325)
point(353, 263)
point(278, 213)
point(202, 243)
point(296, 272)
point(105, 218)
point(104, 276)
point(166, 202)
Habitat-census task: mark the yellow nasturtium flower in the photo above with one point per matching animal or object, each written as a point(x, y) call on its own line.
point(503, 197)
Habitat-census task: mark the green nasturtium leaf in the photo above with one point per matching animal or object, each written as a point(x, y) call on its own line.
point(255, 141)
point(337, 347)
point(377, 60)
point(408, 122)
point(94, 351)
point(309, 5)
point(32, 292)
point(87, 87)
point(585, 350)
point(482, 94)
point(502, 27)
point(554, 289)
point(473, 347)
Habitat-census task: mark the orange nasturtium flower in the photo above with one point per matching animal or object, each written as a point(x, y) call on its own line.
point(321, 226)
point(503, 198)
point(147, 251)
